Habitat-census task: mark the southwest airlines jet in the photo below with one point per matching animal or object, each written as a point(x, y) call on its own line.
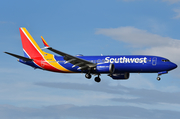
point(117, 67)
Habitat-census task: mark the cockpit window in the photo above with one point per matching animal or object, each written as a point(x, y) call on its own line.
point(165, 60)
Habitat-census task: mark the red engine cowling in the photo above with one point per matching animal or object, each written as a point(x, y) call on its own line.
point(105, 68)
point(120, 76)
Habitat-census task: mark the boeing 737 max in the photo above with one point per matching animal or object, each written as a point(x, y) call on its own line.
point(117, 67)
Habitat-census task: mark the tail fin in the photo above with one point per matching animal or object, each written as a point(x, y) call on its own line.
point(39, 57)
point(30, 47)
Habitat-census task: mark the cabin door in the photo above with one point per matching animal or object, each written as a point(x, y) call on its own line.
point(154, 61)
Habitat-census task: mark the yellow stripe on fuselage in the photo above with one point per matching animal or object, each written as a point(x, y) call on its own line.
point(50, 59)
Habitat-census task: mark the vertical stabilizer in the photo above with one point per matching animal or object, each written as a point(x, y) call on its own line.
point(30, 47)
point(40, 58)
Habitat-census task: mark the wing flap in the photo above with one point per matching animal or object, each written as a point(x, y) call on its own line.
point(73, 60)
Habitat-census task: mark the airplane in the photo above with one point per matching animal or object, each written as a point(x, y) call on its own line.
point(118, 67)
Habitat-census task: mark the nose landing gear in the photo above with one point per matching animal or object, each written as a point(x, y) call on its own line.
point(160, 73)
point(158, 78)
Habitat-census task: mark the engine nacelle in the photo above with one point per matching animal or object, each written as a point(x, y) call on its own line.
point(105, 68)
point(120, 76)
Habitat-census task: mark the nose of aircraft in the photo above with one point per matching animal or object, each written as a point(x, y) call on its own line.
point(172, 66)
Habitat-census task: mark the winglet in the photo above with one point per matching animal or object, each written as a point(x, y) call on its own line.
point(45, 43)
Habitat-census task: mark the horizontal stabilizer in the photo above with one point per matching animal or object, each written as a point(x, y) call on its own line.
point(20, 57)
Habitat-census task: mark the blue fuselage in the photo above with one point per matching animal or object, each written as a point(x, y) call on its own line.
point(126, 63)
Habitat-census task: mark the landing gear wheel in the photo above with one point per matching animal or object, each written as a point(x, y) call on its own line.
point(158, 78)
point(88, 76)
point(97, 79)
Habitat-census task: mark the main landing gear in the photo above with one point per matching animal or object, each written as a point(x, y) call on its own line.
point(97, 79)
point(88, 76)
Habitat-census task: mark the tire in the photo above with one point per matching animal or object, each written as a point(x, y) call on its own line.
point(97, 79)
point(158, 78)
point(88, 76)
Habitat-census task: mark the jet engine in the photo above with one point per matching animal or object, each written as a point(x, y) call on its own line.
point(120, 76)
point(105, 68)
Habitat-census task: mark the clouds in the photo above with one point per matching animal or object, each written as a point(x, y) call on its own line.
point(125, 103)
point(150, 44)
point(137, 37)
point(123, 92)
point(83, 112)
point(174, 4)
point(178, 13)
point(96, 100)
point(125, 100)
point(176, 10)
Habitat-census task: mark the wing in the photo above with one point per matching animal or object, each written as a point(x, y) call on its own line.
point(83, 64)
